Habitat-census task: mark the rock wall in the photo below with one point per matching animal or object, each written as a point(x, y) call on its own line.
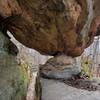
point(13, 77)
point(52, 27)
point(96, 7)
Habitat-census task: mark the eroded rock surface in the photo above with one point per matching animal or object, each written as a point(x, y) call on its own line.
point(34, 90)
point(60, 67)
point(96, 7)
point(13, 77)
point(49, 26)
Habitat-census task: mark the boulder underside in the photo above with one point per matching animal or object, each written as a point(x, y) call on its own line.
point(49, 26)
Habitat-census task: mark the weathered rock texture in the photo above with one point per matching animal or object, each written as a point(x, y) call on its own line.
point(60, 67)
point(49, 26)
point(95, 24)
point(13, 77)
point(16, 80)
point(34, 89)
point(96, 7)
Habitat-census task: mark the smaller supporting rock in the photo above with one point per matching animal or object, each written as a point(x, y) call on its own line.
point(60, 67)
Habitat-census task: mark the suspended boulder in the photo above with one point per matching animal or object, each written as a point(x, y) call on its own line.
point(49, 26)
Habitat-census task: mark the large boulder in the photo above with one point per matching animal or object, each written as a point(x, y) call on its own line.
point(49, 26)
